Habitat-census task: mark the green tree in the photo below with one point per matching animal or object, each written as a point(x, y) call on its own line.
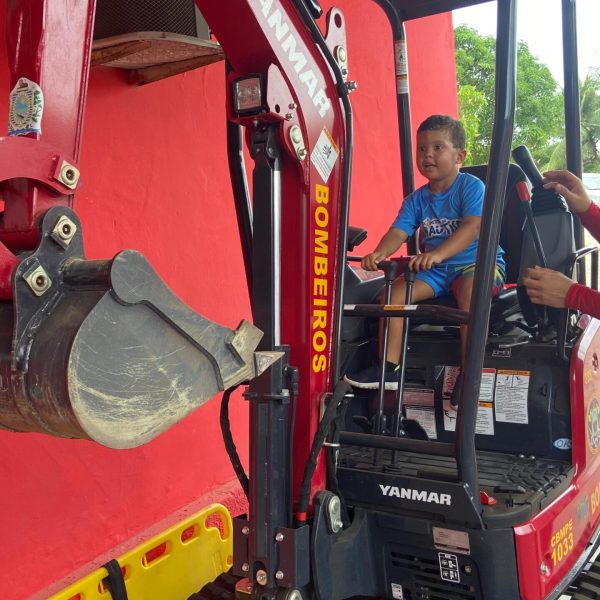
point(539, 114)
point(589, 105)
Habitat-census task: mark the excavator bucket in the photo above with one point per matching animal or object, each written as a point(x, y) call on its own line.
point(103, 350)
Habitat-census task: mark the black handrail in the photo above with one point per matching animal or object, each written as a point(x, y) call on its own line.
point(572, 106)
point(402, 103)
point(506, 51)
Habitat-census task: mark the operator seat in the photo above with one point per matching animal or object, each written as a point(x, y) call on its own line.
point(506, 303)
point(555, 227)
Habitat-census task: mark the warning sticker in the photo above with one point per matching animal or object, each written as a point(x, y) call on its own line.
point(401, 62)
point(485, 412)
point(449, 567)
point(397, 592)
point(325, 155)
point(512, 388)
point(419, 406)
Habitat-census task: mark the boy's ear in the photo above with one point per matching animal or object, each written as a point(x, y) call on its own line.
point(461, 155)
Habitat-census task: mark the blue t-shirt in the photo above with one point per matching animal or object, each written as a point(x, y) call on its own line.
point(440, 215)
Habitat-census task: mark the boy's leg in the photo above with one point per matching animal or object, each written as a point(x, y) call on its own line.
point(462, 293)
point(421, 291)
point(462, 289)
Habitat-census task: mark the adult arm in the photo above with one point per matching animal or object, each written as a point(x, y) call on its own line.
point(572, 189)
point(545, 286)
point(590, 219)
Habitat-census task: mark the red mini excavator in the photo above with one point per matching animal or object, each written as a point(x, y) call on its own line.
point(497, 499)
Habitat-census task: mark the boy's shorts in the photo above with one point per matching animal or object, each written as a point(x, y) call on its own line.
point(443, 279)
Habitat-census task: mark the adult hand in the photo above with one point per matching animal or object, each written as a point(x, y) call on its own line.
point(545, 286)
point(571, 187)
point(423, 261)
point(369, 261)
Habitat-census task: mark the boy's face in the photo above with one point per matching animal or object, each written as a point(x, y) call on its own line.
point(437, 159)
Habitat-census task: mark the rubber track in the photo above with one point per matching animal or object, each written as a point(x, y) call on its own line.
point(222, 588)
point(588, 584)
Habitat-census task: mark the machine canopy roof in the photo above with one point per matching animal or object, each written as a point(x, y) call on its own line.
point(415, 9)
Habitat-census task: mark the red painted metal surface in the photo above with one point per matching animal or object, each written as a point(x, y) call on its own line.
point(558, 536)
point(311, 203)
point(48, 43)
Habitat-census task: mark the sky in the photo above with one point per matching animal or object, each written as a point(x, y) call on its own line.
point(539, 24)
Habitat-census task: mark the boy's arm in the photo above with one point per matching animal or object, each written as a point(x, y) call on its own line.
point(458, 241)
point(388, 244)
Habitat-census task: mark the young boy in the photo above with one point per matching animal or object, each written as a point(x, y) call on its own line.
point(448, 211)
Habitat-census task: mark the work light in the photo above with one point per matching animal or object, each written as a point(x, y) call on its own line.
point(248, 95)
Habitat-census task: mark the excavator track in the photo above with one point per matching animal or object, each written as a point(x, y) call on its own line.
point(222, 588)
point(587, 584)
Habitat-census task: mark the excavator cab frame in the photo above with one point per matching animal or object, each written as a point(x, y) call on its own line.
point(323, 521)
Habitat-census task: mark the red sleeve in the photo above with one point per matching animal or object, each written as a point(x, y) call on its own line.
point(590, 219)
point(585, 299)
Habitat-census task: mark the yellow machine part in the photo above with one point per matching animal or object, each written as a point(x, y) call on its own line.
point(173, 564)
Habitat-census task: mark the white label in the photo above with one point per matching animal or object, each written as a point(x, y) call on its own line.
point(450, 376)
point(25, 108)
point(425, 417)
point(400, 57)
point(512, 388)
point(419, 406)
point(449, 567)
point(401, 62)
point(397, 592)
point(450, 539)
point(325, 155)
point(485, 412)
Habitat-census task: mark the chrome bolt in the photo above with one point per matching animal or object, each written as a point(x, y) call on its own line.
point(38, 281)
point(279, 575)
point(344, 71)
point(245, 530)
point(468, 569)
point(261, 577)
point(68, 175)
point(289, 116)
point(544, 569)
point(294, 595)
point(334, 516)
point(245, 567)
point(341, 54)
point(351, 86)
point(292, 106)
point(279, 537)
point(302, 152)
point(64, 231)
point(295, 134)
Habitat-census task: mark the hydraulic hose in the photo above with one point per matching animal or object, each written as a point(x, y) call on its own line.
point(230, 448)
point(340, 391)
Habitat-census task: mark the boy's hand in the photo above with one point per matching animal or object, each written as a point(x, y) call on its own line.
point(571, 187)
point(369, 261)
point(424, 261)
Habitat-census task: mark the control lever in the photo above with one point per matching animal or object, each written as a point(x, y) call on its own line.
point(390, 270)
point(523, 158)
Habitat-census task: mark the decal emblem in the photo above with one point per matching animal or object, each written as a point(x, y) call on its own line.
point(26, 105)
point(593, 425)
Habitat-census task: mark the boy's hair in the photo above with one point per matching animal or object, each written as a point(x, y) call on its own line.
point(454, 127)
